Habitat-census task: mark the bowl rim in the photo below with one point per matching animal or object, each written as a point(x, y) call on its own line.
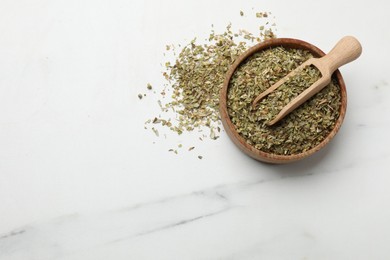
point(240, 141)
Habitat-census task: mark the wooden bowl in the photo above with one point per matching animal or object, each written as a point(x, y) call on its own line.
point(240, 141)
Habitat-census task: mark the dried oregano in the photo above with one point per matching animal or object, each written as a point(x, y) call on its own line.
point(196, 76)
point(302, 129)
point(273, 103)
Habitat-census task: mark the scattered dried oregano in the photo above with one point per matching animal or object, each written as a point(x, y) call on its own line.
point(196, 76)
point(299, 131)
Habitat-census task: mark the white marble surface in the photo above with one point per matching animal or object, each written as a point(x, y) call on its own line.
point(81, 179)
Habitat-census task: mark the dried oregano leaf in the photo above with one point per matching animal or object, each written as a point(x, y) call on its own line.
point(196, 77)
point(302, 129)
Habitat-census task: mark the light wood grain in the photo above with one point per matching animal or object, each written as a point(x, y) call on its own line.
point(345, 51)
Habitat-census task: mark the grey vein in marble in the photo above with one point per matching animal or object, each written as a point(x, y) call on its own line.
point(71, 234)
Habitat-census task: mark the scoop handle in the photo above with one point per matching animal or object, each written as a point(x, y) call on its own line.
point(345, 51)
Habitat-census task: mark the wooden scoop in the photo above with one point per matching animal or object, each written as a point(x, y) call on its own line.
point(345, 51)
